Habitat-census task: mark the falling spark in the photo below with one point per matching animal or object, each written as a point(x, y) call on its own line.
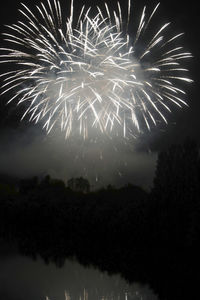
point(90, 73)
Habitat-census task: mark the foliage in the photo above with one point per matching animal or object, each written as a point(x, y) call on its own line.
point(79, 184)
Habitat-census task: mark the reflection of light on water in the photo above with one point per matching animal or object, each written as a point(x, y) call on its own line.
point(22, 278)
point(125, 296)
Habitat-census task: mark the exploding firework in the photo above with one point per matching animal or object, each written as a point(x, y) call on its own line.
point(88, 73)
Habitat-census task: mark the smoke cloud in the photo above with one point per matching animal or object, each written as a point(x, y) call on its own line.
point(101, 160)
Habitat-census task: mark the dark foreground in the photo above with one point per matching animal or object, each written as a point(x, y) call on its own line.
point(147, 237)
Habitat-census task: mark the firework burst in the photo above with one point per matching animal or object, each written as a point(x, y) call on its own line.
point(88, 73)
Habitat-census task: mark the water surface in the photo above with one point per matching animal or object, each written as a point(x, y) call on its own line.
point(22, 278)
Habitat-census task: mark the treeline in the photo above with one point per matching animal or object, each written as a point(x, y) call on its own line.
point(150, 237)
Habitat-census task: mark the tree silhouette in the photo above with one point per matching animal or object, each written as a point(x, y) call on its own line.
point(79, 185)
point(176, 190)
point(28, 184)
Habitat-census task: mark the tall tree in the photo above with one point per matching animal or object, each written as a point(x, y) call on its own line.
point(176, 190)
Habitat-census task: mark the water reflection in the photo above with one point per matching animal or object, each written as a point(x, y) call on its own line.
point(137, 295)
point(22, 279)
point(85, 296)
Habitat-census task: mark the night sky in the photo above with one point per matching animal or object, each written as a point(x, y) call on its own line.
point(25, 150)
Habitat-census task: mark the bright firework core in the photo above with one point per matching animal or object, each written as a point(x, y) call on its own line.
point(89, 73)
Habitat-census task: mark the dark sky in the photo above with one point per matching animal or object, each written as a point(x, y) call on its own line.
point(25, 150)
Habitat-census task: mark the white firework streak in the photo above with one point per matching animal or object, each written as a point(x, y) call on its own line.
point(90, 73)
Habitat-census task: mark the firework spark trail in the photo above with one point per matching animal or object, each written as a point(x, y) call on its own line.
point(89, 73)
